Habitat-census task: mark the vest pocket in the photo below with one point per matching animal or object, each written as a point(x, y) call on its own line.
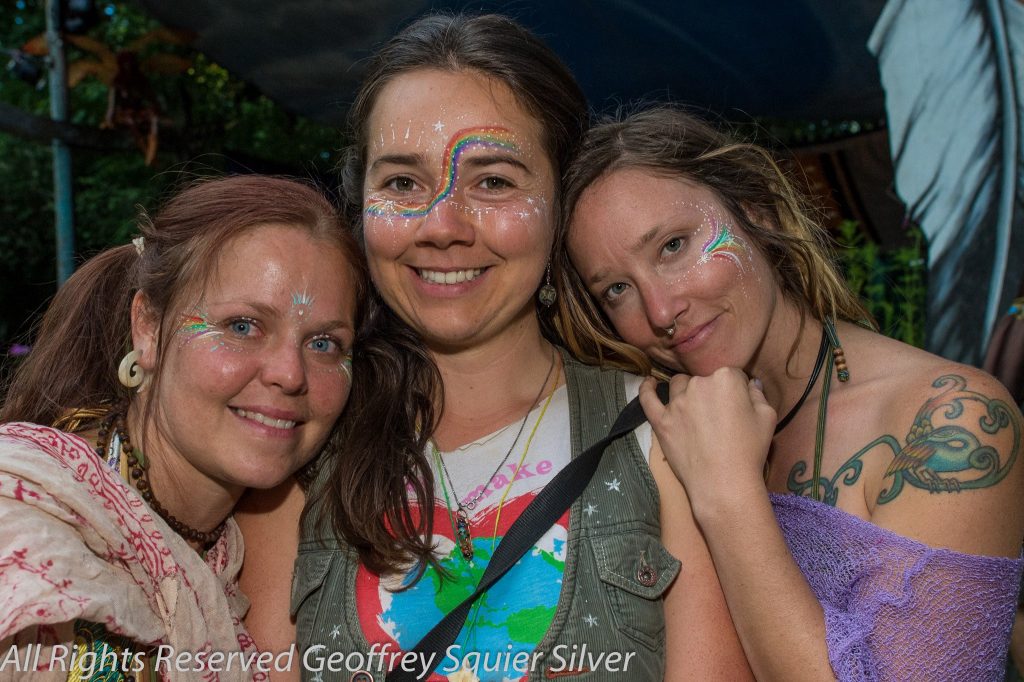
point(311, 569)
point(636, 569)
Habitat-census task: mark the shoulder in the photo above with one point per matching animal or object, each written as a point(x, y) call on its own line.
point(950, 436)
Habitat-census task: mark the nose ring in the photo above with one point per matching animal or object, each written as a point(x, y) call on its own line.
point(671, 330)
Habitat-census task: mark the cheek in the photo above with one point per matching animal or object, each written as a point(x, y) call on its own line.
point(209, 369)
point(328, 392)
point(521, 227)
point(385, 235)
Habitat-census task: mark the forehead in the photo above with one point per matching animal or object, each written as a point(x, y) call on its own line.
point(422, 109)
point(634, 199)
point(268, 259)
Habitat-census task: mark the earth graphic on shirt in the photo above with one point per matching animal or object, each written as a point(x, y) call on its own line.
point(511, 617)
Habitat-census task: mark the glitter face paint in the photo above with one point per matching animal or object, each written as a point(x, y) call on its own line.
point(487, 137)
point(722, 243)
point(198, 327)
point(301, 303)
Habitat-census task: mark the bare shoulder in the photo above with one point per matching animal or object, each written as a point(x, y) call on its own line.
point(950, 437)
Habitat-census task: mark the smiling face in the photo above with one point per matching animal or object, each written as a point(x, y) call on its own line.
point(457, 205)
point(657, 251)
point(256, 368)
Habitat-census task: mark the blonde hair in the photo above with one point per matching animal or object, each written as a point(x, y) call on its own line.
point(751, 185)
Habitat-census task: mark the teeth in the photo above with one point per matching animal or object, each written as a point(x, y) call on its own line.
point(452, 277)
point(263, 419)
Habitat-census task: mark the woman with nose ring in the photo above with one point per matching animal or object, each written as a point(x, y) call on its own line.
point(860, 497)
point(461, 132)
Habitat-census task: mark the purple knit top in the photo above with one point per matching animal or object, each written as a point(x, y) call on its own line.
point(896, 609)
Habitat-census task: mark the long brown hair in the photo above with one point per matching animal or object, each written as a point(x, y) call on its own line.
point(381, 451)
point(86, 330)
point(749, 182)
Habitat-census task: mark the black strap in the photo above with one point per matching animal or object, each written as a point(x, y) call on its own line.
point(542, 513)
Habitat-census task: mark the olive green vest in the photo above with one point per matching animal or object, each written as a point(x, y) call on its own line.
point(609, 622)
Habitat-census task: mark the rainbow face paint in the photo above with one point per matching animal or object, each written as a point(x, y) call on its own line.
point(722, 243)
point(198, 326)
point(491, 138)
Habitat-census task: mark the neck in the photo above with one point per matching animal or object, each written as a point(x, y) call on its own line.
point(786, 358)
point(491, 384)
point(192, 497)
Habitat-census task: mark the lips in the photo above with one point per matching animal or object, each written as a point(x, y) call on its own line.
point(693, 337)
point(449, 276)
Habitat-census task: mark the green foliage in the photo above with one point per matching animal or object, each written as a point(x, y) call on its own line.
point(210, 122)
point(890, 283)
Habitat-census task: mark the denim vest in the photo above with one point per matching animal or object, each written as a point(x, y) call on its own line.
point(609, 622)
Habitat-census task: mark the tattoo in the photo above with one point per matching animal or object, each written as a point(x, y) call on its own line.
point(938, 458)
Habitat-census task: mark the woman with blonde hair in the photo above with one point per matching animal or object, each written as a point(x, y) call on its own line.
point(860, 497)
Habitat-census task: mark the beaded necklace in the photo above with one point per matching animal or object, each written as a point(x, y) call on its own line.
point(135, 469)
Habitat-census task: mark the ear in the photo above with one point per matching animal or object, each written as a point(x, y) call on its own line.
point(760, 218)
point(145, 331)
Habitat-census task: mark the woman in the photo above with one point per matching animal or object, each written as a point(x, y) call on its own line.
point(237, 306)
point(880, 517)
point(461, 131)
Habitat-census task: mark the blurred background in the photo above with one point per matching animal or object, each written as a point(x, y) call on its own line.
point(902, 117)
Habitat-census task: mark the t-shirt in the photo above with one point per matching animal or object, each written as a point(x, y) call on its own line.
point(515, 613)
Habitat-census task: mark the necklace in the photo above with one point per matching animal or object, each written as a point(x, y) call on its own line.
point(113, 424)
point(829, 339)
point(460, 522)
point(818, 364)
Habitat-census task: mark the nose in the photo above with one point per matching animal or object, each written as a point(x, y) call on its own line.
point(662, 306)
point(447, 223)
point(284, 367)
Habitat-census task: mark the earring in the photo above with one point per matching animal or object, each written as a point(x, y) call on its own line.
point(129, 373)
point(547, 293)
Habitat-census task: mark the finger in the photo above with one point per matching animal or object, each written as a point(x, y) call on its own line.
point(677, 385)
point(649, 400)
point(756, 390)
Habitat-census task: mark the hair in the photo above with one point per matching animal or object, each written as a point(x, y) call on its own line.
point(87, 328)
point(383, 461)
point(778, 219)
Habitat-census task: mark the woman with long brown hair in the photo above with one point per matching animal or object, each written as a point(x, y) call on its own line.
point(169, 375)
point(462, 129)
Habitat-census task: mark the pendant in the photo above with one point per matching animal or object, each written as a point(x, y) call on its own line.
point(463, 537)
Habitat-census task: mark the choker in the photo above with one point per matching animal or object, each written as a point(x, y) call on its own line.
point(829, 339)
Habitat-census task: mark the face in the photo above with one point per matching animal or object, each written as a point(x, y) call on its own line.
point(655, 252)
point(256, 368)
point(457, 206)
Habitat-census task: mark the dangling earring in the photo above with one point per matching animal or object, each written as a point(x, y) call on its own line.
point(547, 293)
point(129, 373)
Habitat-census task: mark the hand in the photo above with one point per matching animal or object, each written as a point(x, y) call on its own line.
point(715, 432)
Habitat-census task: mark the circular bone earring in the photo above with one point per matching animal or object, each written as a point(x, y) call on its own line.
point(129, 373)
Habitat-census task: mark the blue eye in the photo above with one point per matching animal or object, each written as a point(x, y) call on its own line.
point(323, 345)
point(241, 327)
point(673, 245)
point(615, 290)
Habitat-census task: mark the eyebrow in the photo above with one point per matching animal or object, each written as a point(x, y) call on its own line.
point(645, 239)
point(492, 159)
point(411, 159)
